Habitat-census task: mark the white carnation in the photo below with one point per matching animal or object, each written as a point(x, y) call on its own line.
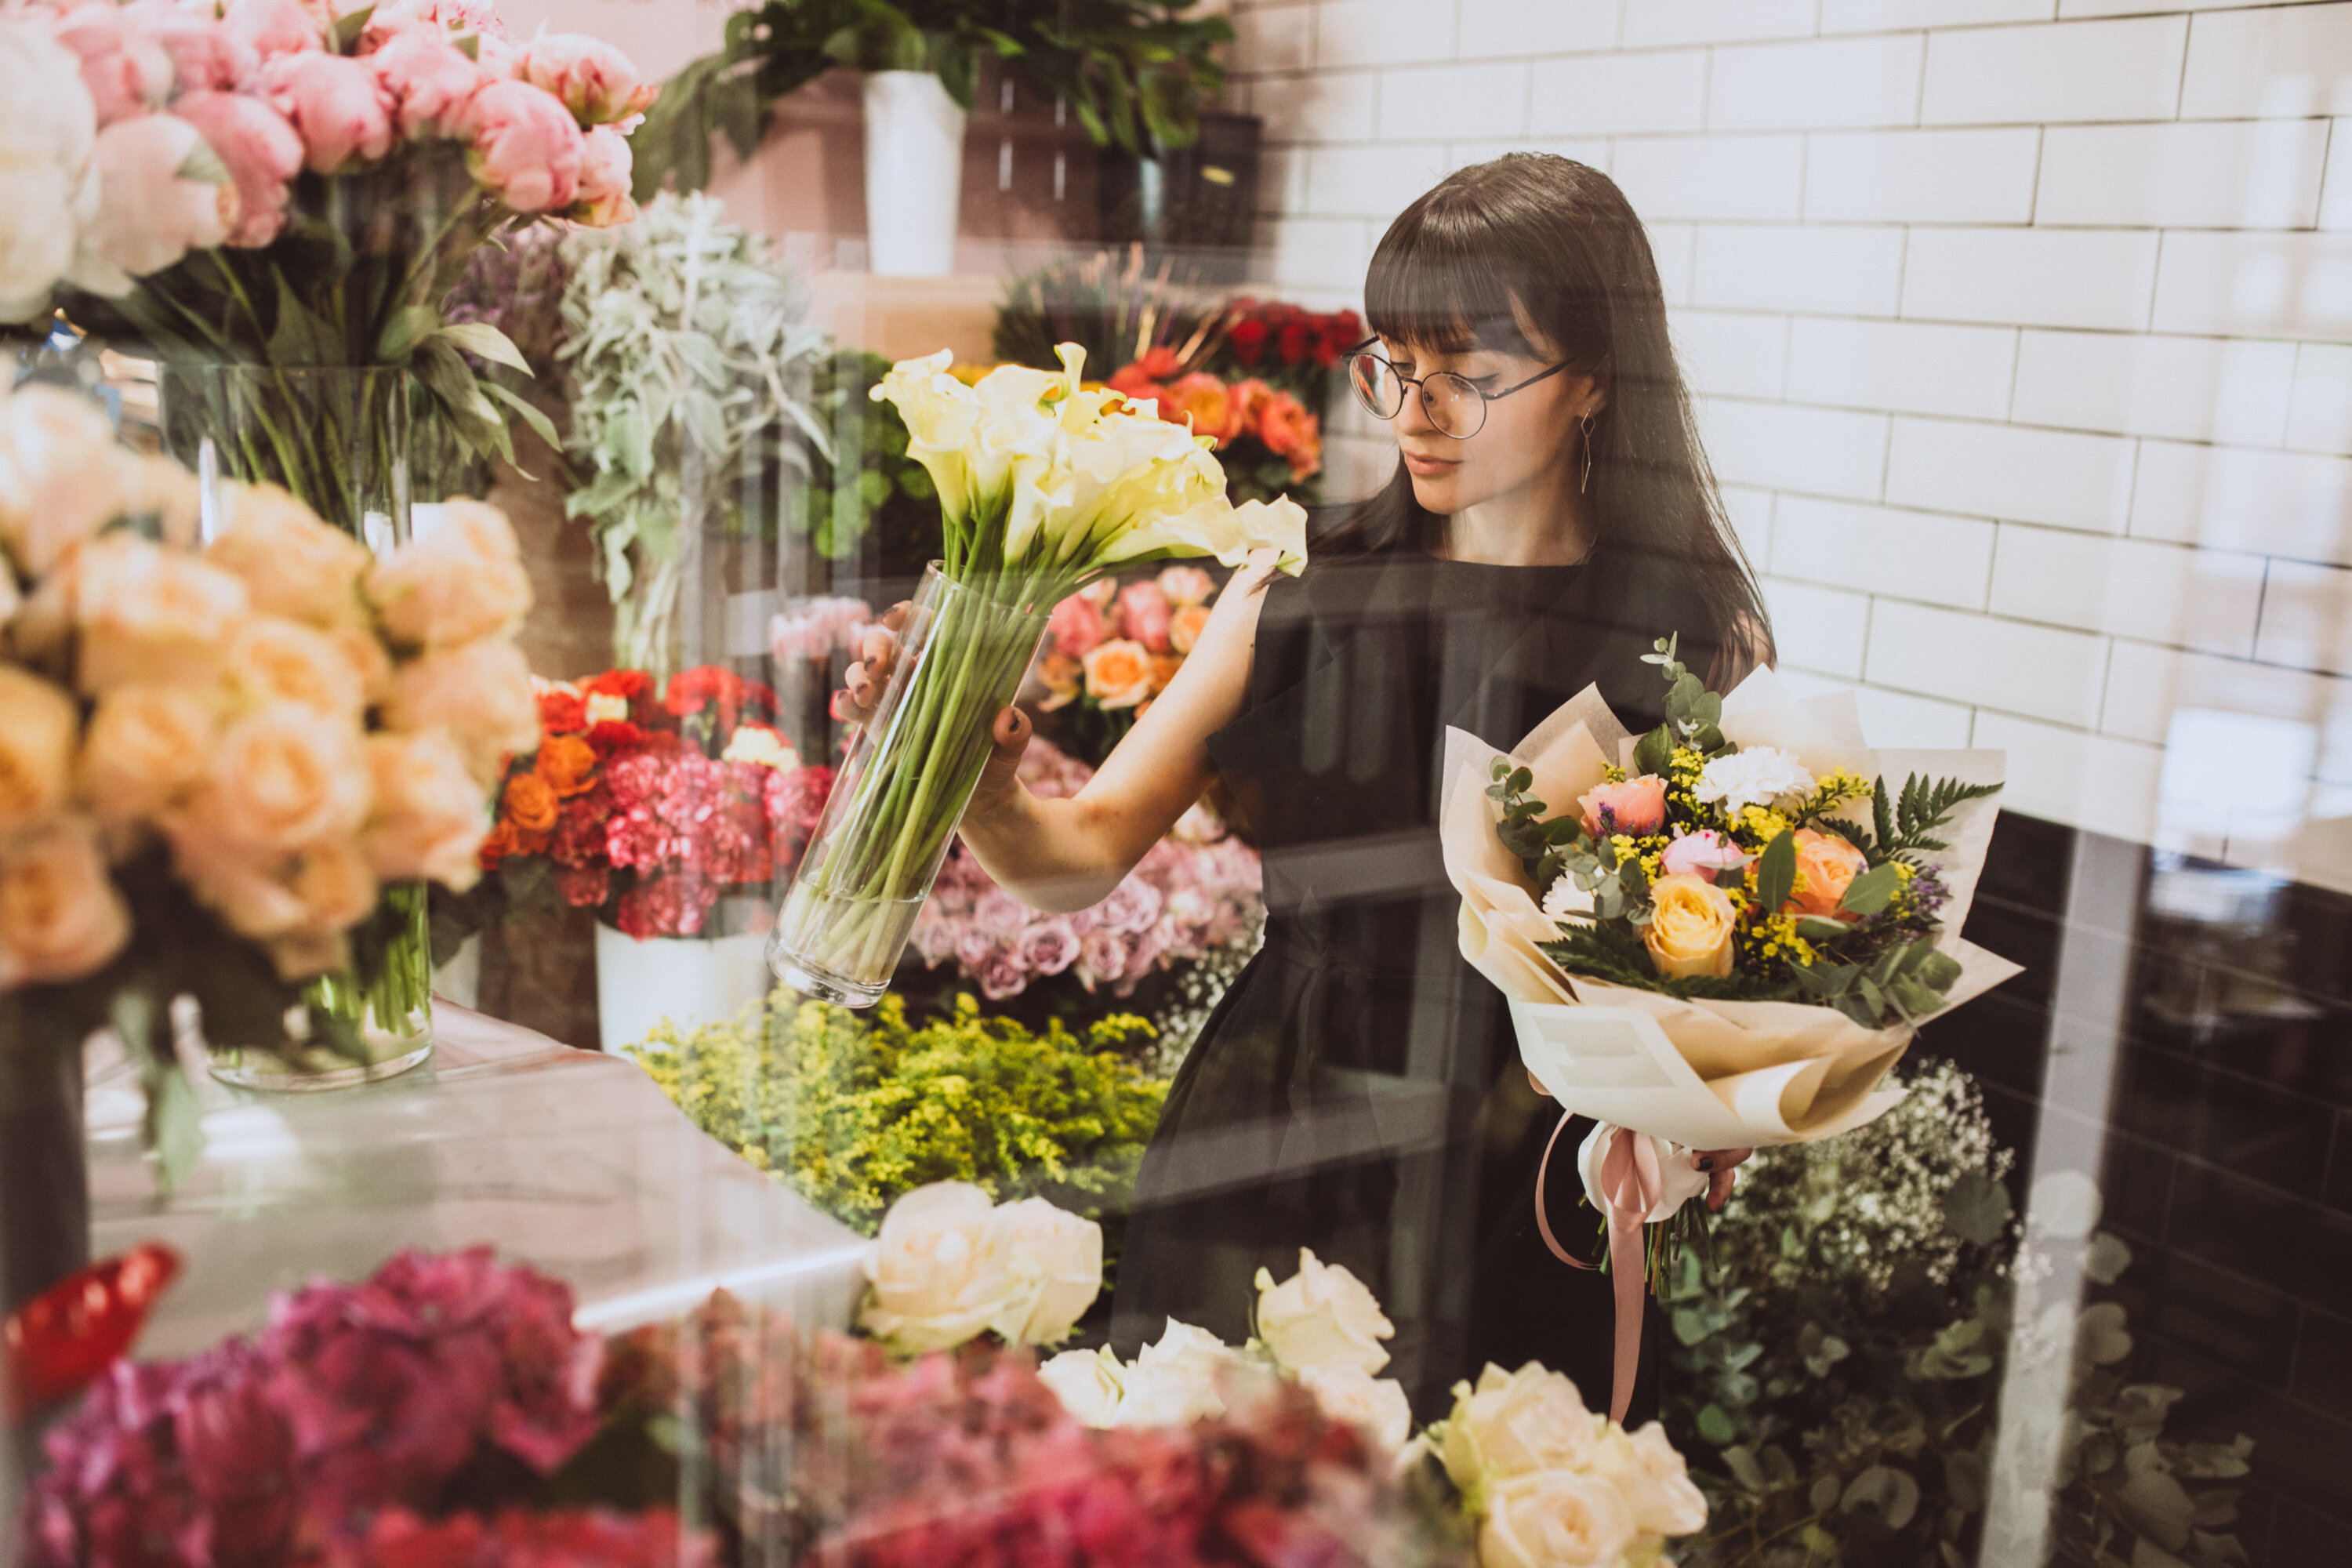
point(1759, 776)
point(1567, 904)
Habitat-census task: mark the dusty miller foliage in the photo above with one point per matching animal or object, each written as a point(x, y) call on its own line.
point(689, 350)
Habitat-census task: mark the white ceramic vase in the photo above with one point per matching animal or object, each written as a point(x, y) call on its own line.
point(914, 174)
point(686, 981)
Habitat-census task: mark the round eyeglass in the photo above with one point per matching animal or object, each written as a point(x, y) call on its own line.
point(1456, 406)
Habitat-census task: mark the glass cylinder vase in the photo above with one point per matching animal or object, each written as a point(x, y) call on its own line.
point(339, 438)
point(904, 786)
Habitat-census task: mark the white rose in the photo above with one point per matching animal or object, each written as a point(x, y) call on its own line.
point(1321, 1316)
point(277, 660)
point(1757, 776)
point(1350, 1393)
point(38, 726)
point(283, 779)
point(1177, 1380)
point(431, 814)
point(60, 915)
point(480, 693)
point(148, 746)
point(1513, 1424)
point(62, 475)
point(1057, 1259)
point(1087, 1382)
point(1679, 1180)
point(290, 562)
point(148, 613)
point(462, 581)
point(937, 1276)
point(1554, 1519)
point(1653, 1480)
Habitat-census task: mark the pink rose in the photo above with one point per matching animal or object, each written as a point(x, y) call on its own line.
point(1705, 853)
point(1102, 955)
point(274, 28)
point(1187, 585)
point(1637, 806)
point(128, 72)
point(999, 913)
point(261, 151)
point(1048, 947)
point(971, 947)
point(1076, 625)
point(603, 200)
point(1141, 954)
point(1132, 906)
point(340, 109)
point(596, 80)
point(148, 216)
point(1143, 612)
point(1826, 866)
point(429, 83)
point(1002, 975)
point(527, 149)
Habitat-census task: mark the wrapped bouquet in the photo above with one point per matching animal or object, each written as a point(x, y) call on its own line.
point(1045, 485)
point(1724, 935)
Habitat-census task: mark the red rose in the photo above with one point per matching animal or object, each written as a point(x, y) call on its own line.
point(1159, 363)
point(1248, 340)
point(705, 686)
point(627, 684)
point(1293, 342)
point(562, 713)
point(617, 736)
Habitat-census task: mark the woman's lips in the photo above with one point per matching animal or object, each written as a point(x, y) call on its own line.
point(1430, 467)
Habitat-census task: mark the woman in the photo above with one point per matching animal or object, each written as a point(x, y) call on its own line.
point(1551, 515)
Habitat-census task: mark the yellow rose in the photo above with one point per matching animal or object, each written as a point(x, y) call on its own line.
point(38, 729)
point(1321, 1316)
point(462, 581)
point(1555, 1519)
point(480, 693)
point(1691, 926)
point(291, 564)
point(1513, 1424)
point(148, 746)
point(277, 660)
point(60, 915)
point(62, 478)
point(148, 613)
point(285, 778)
point(431, 812)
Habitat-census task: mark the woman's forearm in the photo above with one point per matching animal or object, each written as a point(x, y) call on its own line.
point(1053, 855)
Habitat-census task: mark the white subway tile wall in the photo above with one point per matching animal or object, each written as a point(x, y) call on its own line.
point(2021, 331)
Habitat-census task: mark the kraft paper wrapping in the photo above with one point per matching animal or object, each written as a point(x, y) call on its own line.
point(1705, 1075)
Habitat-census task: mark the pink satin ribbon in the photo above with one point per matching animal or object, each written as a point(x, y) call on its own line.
point(1631, 1186)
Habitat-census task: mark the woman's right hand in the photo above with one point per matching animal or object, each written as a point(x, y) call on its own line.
point(861, 693)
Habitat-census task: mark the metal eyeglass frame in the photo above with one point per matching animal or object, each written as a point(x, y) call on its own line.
point(1421, 383)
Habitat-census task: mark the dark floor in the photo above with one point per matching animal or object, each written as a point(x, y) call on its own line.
point(2228, 1148)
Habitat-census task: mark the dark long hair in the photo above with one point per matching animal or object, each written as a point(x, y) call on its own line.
point(1559, 239)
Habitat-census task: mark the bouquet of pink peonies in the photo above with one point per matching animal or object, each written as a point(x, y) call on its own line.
point(229, 771)
point(290, 186)
point(1194, 891)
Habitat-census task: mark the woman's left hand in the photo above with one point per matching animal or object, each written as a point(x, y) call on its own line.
point(1719, 1167)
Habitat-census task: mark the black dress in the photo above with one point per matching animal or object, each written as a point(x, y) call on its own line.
point(1359, 1091)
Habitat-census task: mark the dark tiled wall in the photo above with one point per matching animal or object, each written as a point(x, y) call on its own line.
point(2228, 1166)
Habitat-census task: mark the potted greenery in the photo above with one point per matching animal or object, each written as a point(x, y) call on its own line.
point(1138, 73)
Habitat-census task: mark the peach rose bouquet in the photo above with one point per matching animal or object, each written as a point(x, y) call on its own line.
point(226, 766)
point(275, 185)
point(1718, 934)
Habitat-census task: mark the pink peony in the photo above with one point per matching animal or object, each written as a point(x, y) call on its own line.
point(1143, 612)
point(1077, 627)
point(1636, 806)
point(596, 80)
point(1705, 853)
point(126, 69)
point(433, 18)
point(603, 200)
point(206, 57)
point(1047, 947)
point(149, 216)
point(274, 28)
point(527, 149)
point(259, 150)
point(337, 104)
point(428, 82)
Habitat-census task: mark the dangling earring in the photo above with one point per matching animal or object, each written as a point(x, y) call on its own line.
point(1585, 483)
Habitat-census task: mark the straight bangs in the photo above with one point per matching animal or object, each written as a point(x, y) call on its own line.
point(1444, 281)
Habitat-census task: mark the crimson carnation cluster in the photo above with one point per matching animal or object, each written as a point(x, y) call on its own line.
point(650, 805)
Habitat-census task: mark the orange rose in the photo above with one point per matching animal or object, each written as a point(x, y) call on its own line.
point(1249, 400)
point(499, 844)
point(1165, 667)
point(568, 763)
point(1118, 674)
point(530, 803)
point(1826, 866)
point(1060, 675)
point(1202, 398)
point(1184, 628)
point(1131, 382)
point(1290, 431)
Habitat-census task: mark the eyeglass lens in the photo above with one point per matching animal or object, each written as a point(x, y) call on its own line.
point(1454, 405)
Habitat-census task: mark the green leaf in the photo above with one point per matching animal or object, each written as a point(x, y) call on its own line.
point(346, 33)
point(408, 327)
point(1740, 1460)
point(174, 1126)
point(526, 410)
point(1776, 872)
point(482, 341)
point(2106, 1258)
point(1869, 893)
point(1653, 752)
point(1821, 928)
point(2157, 1506)
point(1976, 1209)
point(2100, 1337)
point(1888, 1493)
point(1714, 1425)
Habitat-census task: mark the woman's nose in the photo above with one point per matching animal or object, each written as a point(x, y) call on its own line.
point(1412, 418)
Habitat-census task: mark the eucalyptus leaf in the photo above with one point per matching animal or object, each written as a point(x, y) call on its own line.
point(482, 341)
point(1870, 892)
point(1776, 871)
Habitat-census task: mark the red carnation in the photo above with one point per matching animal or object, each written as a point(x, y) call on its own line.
point(666, 906)
point(627, 684)
point(616, 735)
point(692, 690)
point(578, 839)
point(562, 713)
point(585, 887)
